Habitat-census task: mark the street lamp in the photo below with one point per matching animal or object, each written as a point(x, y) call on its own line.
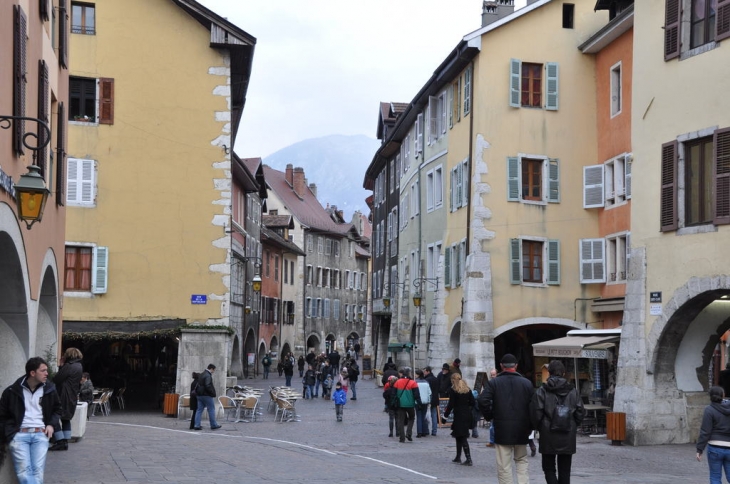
point(418, 299)
point(386, 302)
point(31, 193)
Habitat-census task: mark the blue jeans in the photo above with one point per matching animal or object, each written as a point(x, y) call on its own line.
point(206, 402)
point(309, 391)
point(421, 421)
point(718, 458)
point(266, 372)
point(353, 384)
point(317, 384)
point(28, 452)
point(288, 380)
point(434, 419)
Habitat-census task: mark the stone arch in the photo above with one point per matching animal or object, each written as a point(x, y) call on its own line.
point(313, 341)
point(274, 344)
point(236, 362)
point(262, 348)
point(46, 331)
point(532, 321)
point(249, 346)
point(329, 342)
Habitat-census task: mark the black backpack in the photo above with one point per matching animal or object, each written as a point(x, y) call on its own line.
point(561, 420)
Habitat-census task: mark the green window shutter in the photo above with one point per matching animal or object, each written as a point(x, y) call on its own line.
point(515, 75)
point(551, 86)
point(722, 176)
point(515, 251)
point(593, 186)
point(447, 267)
point(553, 270)
point(554, 180)
point(100, 273)
point(513, 179)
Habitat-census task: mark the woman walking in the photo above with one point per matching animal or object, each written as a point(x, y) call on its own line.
point(68, 384)
point(461, 402)
point(193, 401)
point(556, 411)
point(715, 435)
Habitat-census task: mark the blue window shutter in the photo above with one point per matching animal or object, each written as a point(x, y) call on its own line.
point(553, 270)
point(513, 179)
point(554, 181)
point(100, 273)
point(515, 75)
point(551, 86)
point(515, 251)
point(447, 267)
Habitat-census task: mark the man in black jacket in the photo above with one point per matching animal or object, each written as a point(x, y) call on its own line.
point(506, 401)
point(444, 380)
point(353, 372)
point(29, 409)
point(206, 398)
point(434, 384)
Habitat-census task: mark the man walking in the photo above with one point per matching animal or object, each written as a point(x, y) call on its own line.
point(506, 401)
point(206, 398)
point(434, 384)
point(408, 397)
point(353, 373)
point(492, 376)
point(266, 363)
point(29, 409)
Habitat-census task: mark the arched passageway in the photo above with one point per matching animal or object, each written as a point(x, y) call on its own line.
point(14, 322)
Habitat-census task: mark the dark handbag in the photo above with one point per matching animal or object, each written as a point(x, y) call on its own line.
point(562, 417)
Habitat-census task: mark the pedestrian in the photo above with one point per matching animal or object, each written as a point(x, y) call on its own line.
point(444, 380)
point(327, 378)
point(266, 363)
point(289, 368)
point(310, 379)
point(29, 410)
point(557, 411)
point(280, 368)
point(424, 390)
point(390, 396)
point(206, 398)
point(456, 367)
point(492, 376)
point(344, 379)
point(86, 391)
point(389, 369)
point(300, 366)
point(68, 383)
point(334, 357)
point(715, 435)
point(461, 402)
point(476, 416)
point(339, 396)
point(353, 374)
point(357, 350)
point(433, 383)
point(408, 397)
point(310, 358)
point(506, 401)
point(193, 400)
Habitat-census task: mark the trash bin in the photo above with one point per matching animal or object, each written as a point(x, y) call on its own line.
point(78, 422)
point(169, 407)
point(616, 427)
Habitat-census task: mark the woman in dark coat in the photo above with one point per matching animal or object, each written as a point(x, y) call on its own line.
point(461, 402)
point(68, 383)
point(715, 435)
point(556, 444)
point(193, 399)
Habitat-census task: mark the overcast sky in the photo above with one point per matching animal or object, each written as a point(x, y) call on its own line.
point(322, 66)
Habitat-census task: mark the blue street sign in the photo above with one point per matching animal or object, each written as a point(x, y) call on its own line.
point(198, 299)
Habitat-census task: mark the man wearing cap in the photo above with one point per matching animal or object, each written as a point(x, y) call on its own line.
point(444, 380)
point(506, 401)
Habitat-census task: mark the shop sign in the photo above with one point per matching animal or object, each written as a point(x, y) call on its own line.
point(6, 183)
point(198, 299)
point(655, 297)
point(595, 354)
point(571, 353)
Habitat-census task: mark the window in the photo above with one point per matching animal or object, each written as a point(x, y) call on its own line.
point(268, 264)
point(702, 22)
point(391, 175)
point(328, 247)
point(526, 86)
point(308, 308)
point(694, 24)
point(326, 277)
point(91, 100)
point(533, 178)
point(568, 15)
point(436, 117)
point(20, 75)
point(86, 269)
point(432, 263)
point(81, 182)
point(310, 275)
point(404, 213)
point(326, 309)
point(467, 91)
point(291, 272)
point(310, 243)
point(320, 245)
point(459, 185)
point(696, 177)
point(454, 264)
point(83, 18)
point(616, 90)
point(607, 184)
point(419, 135)
point(534, 261)
point(616, 257)
point(337, 279)
point(455, 111)
point(592, 261)
point(336, 309)
point(286, 272)
point(434, 189)
point(414, 199)
point(319, 277)
point(363, 282)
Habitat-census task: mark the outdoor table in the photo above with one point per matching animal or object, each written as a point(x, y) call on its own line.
point(596, 410)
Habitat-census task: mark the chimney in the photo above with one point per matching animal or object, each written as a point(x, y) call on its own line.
point(289, 176)
point(493, 10)
point(313, 188)
point(299, 183)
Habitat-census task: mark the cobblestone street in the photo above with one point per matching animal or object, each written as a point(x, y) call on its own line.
point(133, 446)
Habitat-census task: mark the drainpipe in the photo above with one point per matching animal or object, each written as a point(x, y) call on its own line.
point(471, 164)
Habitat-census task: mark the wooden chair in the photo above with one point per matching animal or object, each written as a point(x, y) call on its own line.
point(250, 408)
point(286, 408)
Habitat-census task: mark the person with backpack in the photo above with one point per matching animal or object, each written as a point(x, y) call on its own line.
point(309, 380)
point(266, 363)
point(353, 372)
point(557, 411)
point(326, 378)
point(408, 398)
point(390, 396)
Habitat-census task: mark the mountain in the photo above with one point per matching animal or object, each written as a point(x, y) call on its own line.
point(336, 164)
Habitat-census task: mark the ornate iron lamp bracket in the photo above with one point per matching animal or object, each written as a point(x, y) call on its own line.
point(41, 142)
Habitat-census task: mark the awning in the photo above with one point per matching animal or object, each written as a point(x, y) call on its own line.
point(605, 305)
point(576, 347)
point(397, 347)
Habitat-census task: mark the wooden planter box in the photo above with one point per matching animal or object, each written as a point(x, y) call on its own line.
point(616, 427)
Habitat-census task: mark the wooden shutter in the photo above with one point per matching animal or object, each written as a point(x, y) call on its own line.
point(515, 253)
point(515, 76)
point(63, 27)
point(106, 101)
point(553, 259)
point(43, 100)
point(447, 266)
point(551, 86)
point(43, 9)
point(513, 179)
point(592, 261)
point(721, 161)
point(628, 160)
point(20, 36)
point(554, 180)
point(593, 186)
point(722, 20)
point(672, 22)
point(668, 203)
point(60, 154)
point(100, 272)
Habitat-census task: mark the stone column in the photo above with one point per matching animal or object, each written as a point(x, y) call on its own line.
point(198, 348)
point(477, 325)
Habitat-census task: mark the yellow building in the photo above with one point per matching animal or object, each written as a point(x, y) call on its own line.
point(153, 113)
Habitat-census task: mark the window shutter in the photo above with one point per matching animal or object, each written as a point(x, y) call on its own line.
point(515, 252)
point(722, 176)
point(443, 107)
point(19, 76)
point(106, 101)
point(553, 257)
point(722, 21)
point(554, 180)
point(62, 34)
point(551, 86)
point(457, 264)
point(465, 174)
point(43, 9)
point(628, 159)
point(513, 179)
point(419, 134)
point(672, 22)
point(73, 182)
point(432, 119)
point(593, 186)
point(668, 203)
point(592, 263)
point(100, 273)
point(87, 181)
point(43, 97)
point(447, 267)
point(515, 75)
point(61, 154)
